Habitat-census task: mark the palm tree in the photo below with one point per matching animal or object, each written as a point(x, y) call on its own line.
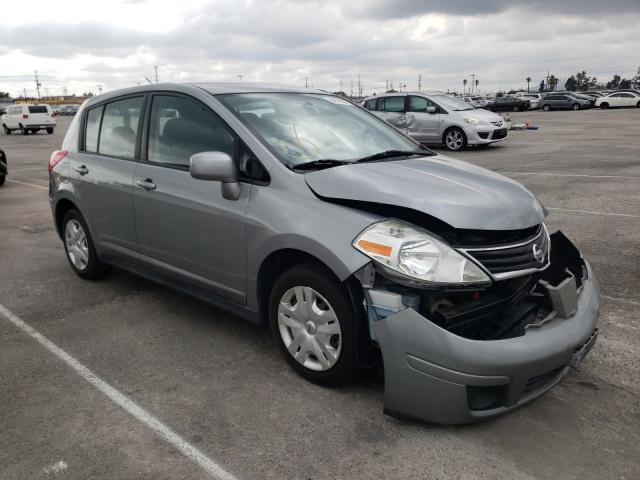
point(477, 83)
point(464, 85)
point(528, 82)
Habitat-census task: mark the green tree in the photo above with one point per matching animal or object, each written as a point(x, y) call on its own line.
point(624, 83)
point(571, 84)
point(614, 83)
point(4, 95)
point(552, 82)
point(584, 81)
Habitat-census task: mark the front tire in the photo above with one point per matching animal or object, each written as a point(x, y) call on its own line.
point(7, 131)
point(546, 107)
point(605, 105)
point(50, 131)
point(516, 108)
point(575, 106)
point(2, 179)
point(455, 139)
point(80, 249)
point(23, 130)
point(314, 324)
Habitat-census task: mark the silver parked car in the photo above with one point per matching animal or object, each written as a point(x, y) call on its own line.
point(358, 246)
point(437, 118)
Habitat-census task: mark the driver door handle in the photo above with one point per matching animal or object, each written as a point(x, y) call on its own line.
point(82, 169)
point(146, 184)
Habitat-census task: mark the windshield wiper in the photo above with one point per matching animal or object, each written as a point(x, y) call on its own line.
point(319, 164)
point(395, 153)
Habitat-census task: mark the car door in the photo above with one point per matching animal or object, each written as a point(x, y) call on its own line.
point(392, 110)
point(422, 125)
point(186, 229)
point(101, 172)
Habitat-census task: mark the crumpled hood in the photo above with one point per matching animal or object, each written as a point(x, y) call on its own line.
point(458, 193)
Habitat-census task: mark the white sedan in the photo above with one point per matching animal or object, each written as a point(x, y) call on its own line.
point(620, 99)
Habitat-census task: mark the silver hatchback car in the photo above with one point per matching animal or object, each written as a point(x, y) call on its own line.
point(439, 119)
point(358, 246)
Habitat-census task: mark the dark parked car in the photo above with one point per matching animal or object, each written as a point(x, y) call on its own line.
point(3, 166)
point(580, 95)
point(563, 101)
point(504, 104)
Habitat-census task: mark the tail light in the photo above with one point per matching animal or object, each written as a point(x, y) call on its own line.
point(25, 116)
point(56, 157)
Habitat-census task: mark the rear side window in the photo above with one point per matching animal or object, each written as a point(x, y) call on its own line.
point(119, 128)
point(180, 127)
point(93, 127)
point(38, 109)
point(391, 104)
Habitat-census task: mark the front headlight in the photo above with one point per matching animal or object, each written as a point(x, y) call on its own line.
point(475, 121)
point(407, 250)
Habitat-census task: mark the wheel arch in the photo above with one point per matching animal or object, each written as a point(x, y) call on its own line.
point(61, 208)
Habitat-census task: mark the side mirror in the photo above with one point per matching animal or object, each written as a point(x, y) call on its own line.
point(431, 109)
point(216, 166)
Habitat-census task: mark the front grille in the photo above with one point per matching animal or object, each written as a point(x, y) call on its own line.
point(539, 381)
point(529, 255)
point(499, 133)
point(499, 123)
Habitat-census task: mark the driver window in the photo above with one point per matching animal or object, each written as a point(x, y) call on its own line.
point(420, 104)
point(180, 127)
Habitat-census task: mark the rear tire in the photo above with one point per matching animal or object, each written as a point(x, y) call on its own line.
point(2, 179)
point(516, 108)
point(546, 107)
point(455, 139)
point(319, 340)
point(7, 131)
point(575, 106)
point(23, 130)
point(50, 131)
point(605, 105)
point(80, 249)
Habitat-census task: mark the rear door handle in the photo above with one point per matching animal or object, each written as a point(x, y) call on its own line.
point(146, 184)
point(82, 169)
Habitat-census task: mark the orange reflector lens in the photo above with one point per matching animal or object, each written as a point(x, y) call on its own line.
point(376, 248)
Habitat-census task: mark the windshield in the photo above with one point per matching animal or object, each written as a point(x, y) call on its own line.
point(301, 128)
point(452, 103)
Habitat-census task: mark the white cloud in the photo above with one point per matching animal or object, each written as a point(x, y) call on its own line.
point(82, 44)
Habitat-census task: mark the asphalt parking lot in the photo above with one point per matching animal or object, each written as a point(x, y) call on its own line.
point(221, 385)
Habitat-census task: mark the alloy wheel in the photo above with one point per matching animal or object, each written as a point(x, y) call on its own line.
point(454, 140)
point(77, 245)
point(309, 328)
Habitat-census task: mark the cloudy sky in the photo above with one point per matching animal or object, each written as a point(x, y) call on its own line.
point(81, 44)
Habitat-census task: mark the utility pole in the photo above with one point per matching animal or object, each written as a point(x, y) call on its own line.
point(156, 69)
point(351, 89)
point(46, 92)
point(240, 77)
point(359, 87)
point(25, 95)
point(340, 86)
point(306, 82)
point(100, 89)
point(38, 85)
point(473, 81)
point(420, 82)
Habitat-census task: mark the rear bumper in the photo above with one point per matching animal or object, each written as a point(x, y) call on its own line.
point(436, 376)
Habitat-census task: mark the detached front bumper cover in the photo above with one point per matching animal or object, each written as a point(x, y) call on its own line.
point(436, 376)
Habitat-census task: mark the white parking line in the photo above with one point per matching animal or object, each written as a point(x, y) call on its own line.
point(207, 464)
point(570, 175)
point(589, 212)
point(28, 184)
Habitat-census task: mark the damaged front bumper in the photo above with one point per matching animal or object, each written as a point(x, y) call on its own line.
point(434, 375)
